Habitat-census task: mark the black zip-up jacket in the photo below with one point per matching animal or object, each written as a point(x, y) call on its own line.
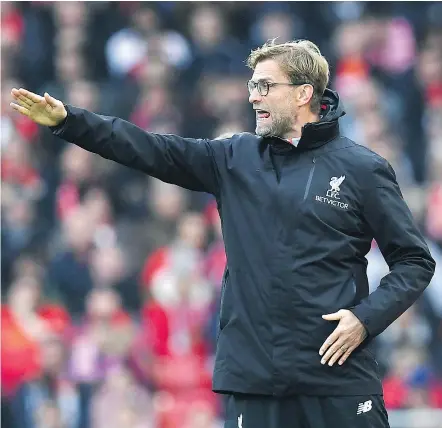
point(297, 224)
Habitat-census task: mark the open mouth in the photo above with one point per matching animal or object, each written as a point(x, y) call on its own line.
point(262, 114)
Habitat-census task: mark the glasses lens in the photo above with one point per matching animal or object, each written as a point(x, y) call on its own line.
point(263, 87)
point(250, 86)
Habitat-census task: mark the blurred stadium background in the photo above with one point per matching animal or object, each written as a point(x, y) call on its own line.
point(111, 279)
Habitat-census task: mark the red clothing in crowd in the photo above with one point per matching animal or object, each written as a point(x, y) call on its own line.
point(20, 353)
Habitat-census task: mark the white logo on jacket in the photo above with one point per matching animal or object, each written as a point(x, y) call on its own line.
point(364, 407)
point(332, 194)
point(334, 190)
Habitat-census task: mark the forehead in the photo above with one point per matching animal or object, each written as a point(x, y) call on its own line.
point(269, 69)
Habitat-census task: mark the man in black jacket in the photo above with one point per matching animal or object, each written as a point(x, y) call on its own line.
point(300, 205)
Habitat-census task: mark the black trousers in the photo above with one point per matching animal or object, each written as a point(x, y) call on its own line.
point(303, 411)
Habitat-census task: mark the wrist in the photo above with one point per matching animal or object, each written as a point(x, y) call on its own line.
point(65, 114)
point(62, 122)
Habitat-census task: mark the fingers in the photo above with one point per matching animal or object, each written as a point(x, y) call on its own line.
point(28, 94)
point(21, 99)
point(15, 93)
point(346, 355)
point(343, 349)
point(20, 109)
point(329, 341)
point(25, 98)
point(50, 100)
point(338, 348)
point(334, 317)
point(24, 102)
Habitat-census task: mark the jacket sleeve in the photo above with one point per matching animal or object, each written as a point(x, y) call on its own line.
point(403, 247)
point(186, 162)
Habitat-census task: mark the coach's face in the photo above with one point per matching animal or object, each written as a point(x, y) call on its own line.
point(276, 110)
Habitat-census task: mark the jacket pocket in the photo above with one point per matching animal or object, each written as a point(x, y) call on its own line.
point(354, 290)
point(350, 296)
point(222, 314)
point(361, 284)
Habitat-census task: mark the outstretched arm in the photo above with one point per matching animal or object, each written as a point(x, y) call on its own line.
point(186, 162)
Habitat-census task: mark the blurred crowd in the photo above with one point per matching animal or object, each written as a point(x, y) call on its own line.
point(111, 279)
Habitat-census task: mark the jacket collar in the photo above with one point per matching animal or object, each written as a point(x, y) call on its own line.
point(316, 134)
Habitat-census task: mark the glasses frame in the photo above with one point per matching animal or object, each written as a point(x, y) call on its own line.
point(263, 86)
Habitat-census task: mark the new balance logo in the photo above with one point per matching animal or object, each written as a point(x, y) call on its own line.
point(240, 421)
point(364, 407)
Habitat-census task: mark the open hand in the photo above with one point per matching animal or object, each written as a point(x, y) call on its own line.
point(346, 337)
point(46, 111)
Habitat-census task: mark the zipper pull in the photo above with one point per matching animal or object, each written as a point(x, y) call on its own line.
point(314, 160)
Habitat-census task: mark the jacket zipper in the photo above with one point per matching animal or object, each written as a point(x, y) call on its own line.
point(309, 181)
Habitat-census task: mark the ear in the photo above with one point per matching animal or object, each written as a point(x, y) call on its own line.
point(305, 94)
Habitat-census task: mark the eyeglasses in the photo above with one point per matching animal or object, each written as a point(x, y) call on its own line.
point(263, 86)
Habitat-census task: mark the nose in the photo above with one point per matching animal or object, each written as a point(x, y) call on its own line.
point(254, 96)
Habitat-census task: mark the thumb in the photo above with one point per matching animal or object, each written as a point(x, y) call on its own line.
point(334, 316)
point(51, 100)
